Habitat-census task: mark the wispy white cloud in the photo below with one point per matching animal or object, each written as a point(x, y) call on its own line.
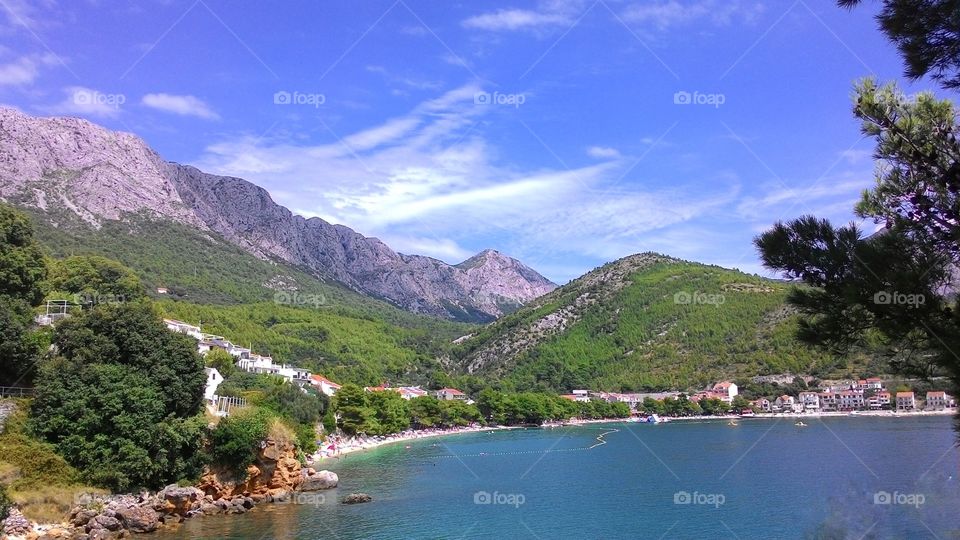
point(181, 105)
point(431, 182)
point(603, 152)
point(664, 14)
point(515, 19)
point(24, 70)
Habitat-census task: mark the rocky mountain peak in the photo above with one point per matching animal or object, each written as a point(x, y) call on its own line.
point(72, 165)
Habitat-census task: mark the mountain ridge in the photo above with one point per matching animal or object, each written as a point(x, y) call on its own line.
point(99, 174)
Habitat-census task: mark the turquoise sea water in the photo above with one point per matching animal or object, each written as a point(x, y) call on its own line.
point(761, 479)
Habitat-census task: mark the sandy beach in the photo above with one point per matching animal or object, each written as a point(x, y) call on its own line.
point(345, 446)
point(350, 445)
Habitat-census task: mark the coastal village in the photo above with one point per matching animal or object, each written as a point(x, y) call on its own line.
point(252, 362)
point(869, 394)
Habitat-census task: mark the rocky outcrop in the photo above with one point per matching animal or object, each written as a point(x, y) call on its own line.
point(15, 524)
point(276, 476)
point(276, 472)
point(357, 498)
point(316, 481)
point(71, 165)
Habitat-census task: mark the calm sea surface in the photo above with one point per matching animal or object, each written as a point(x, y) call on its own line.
point(836, 478)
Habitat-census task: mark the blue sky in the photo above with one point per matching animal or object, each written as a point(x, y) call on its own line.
point(566, 133)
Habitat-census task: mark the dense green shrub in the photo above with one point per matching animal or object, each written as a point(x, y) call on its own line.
point(120, 400)
point(5, 503)
point(236, 439)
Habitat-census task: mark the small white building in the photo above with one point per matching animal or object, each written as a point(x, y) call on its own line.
point(450, 394)
point(214, 378)
point(184, 328)
point(324, 385)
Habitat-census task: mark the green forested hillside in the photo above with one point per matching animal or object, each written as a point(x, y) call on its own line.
point(647, 322)
point(343, 334)
point(343, 346)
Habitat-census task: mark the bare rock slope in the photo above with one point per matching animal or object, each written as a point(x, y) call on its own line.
point(68, 164)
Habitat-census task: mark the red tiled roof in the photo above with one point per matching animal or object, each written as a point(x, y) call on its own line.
point(452, 391)
point(318, 379)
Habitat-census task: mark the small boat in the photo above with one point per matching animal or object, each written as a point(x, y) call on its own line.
point(732, 423)
point(800, 424)
point(653, 419)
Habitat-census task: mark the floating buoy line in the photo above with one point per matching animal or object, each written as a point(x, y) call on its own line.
point(600, 442)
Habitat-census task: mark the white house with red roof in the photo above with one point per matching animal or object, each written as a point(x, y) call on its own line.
point(450, 394)
point(906, 401)
point(324, 385)
point(410, 392)
point(784, 403)
point(725, 391)
point(880, 400)
point(937, 400)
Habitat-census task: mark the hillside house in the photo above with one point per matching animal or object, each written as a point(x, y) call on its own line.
point(725, 391)
point(184, 328)
point(450, 394)
point(214, 378)
point(324, 385)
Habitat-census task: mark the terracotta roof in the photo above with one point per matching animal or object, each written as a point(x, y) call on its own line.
point(936, 393)
point(321, 379)
point(904, 394)
point(452, 391)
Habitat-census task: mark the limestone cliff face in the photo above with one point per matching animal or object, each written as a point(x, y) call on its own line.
point(73, 165)
point(276, 472)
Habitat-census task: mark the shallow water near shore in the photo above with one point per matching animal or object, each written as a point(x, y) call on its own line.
point(835, 478)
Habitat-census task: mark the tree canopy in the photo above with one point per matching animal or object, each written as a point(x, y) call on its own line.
point(120, 400)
